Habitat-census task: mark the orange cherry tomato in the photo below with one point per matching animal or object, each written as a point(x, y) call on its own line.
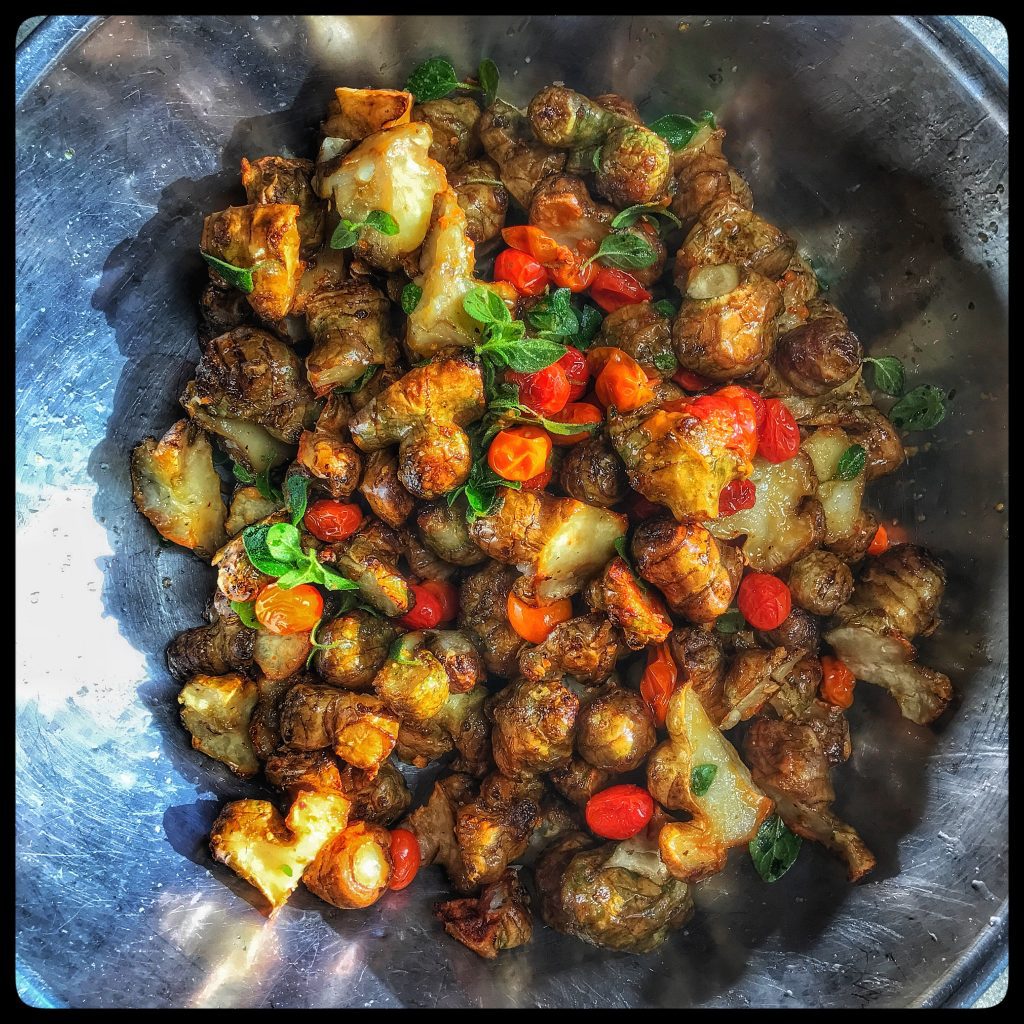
point(659, 681)
point(736, 496)
point(522, 271)
point(405, 858)
point(535, 622)
point(519, 453)
point(296, 610)
point(541, 246)
point(613, 289)
point(577, 372)
point(764, 600)
point(622, 382)
point(619, 812)
point(425, 612)
point(575, 276)
point(880, 541)
point(690, 381)
point(837, 682)
point(780, 438)
point(760, 408)
point(545, 392)
point(333, 520)
point(731, 418)
point(447, 595)
point(576, 412)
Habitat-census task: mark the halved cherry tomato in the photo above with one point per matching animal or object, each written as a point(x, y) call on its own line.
point(659, 680)
point(519, 453)
point(425, 612)
point(535, 622)
point(690, 381)
point(736, 496)
point(545, 392)
point(613, 289)
point(522, 271)
point(837, 682)
point(764, 600)
point(333, 520)
point(447, 595)
point(282, 612)
point(576, 412)
point(880, 541)
point(575, 276)
point(405, 858)
point(621, 381)
point(577, 372)
point(780, 439)
point(619, 812)
point(541, 246)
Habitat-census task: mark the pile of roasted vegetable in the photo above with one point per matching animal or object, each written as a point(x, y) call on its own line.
point(592, 532)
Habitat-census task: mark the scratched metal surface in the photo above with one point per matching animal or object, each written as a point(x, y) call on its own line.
point(881, 144)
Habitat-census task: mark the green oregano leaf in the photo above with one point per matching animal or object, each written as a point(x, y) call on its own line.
point(701, 777)
point(296, 496)
point(382, 221)
point(678, 129)
point(286, 869)
point(665, 361)
point(665, 308)
point(890, 377)
point(921, 409)
point(774, 849)
point(851, 462)
point(246, 611)
point(254, 539)
point(432, 80)
point(237, 277)
point(359, 383)
point(731, 621)
point(411, 295)
point(488, 76)
point(625, 251)
point(631, 214)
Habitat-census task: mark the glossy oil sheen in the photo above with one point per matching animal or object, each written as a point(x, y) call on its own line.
point(879, 143)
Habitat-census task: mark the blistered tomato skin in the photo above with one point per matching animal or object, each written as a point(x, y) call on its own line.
point(405, 858)
point(535, 622)
point(522, 271)
point(659, 681)
point(519, 453)
point(690, 381)
point(546, 392)
point(613, 289)
point(282, 612)
point(837, 682)
point(426, 611)
point(764, 600)
point(780, 438)
point(576, 412)
point(577, 373)
point(333, 520)
point(447, 595)
point(619, 812)
point(736, 496)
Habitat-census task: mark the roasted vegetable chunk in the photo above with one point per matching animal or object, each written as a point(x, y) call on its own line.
point(703, 175)
point(369, 558)
point(499, 918)
point(248, 506)
point(579, 780)
point(840, 499)
point(820, 582)
point(565, 119)
point(175, 486)
point(563, 209)
point(593, 473)
point(819, 355)
point(292, 771)
point(454, 129)
point(225, 645)
point(633, 166)
point(380, 798)
point(357, 113)
point(631, 606)
point(216, 711)
point(271, 852)
point(534, 727)
point(352, 648)
point(412, 682)
point(585, 648)
point(353, 869)
point(484, 200)
point(641, 332)
point(264, 238)
point(483, 616)
point(424, 412)
point(615, 730)
point(278, 179)
point(443, 529)
point(383, 491)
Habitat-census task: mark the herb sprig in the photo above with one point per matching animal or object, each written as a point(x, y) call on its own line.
point(436, 78)
point(347, 233)
point(631, 214)
point(237, 277)
point(701, 777)
point(678, 129)
point(774, 849)
point(624, 251)
point(261, 481)
point(851, 462)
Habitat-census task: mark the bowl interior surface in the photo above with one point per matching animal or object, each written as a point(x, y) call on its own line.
point(880, 144)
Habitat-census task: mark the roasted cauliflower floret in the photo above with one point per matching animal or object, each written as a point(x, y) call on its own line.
point(216, 711)
point(175, 486)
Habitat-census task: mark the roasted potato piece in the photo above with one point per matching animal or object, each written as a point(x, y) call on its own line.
point(634, 166)
point(349, 326)
point(355, 725)
point(454, 127)
point(412, 683)
point(280, 657)
point(175, 486)
point(871, 429)
point(352, 648)
point(271, 852)
point(357, 113)
point(380, 798)
point(482, 197)
point(352, 870)
point(579, 780)
point(785, 522)
point(216, 711)
point(728, 335)
point(292, 771)
point(224, 646)
point(265, 723)
point(509, 140)
point(631, 606)
point(280, 180)
point(703, 175)
point(387, 498)
point(618, 896)
point(483, 617)
point(697, 575)
point(728, 814)
point(390, 170)
point(369, 558)
point(248, 506)
point(615, 730)
point(593, 473)
point(499, 918)
point(702, 663)
point(728, 232)
point(819, 355)
point(560, 543)
point(563, 209)
point(798, 631)
point(564, 119)
point(840, 499)
point(585, 648)
point(820, 582)
point(424, 412)
point(641, 332)
point(534, 727)
point(444, 530)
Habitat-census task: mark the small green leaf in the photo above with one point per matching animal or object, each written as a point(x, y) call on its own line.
point(254, 539)
point(890, 377)
point(488, 76)
point(296, 496)
point(631, 214)
point(665, 361)
point(624, 251)
point(527, 356)
point(432, 80)
point(566, 429)
point(920, 409)
point(346, 234)
point(665, 308)
point(701, 778)
point(486, 307)
point(591, 319)
point(382, 221)
point(554, 314)
point(678, 129)
point(286, 869)
point(237, 277)
point(851, 462)
point(359, 383)
point(265, 487)
point(242, 474)
point(622, 547)
point(596, 158)
point(774, 849)
point(411, 295)
point(283, 542)
point(246, 611)
point(731, 621)
point(331, 580)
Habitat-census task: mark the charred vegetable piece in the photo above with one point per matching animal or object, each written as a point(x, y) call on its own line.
point(579, 780)
point(443, 528)
point(631, 606)
point(565, 119)
point(454, 126)
point(820, 582)
point(585, 648)
point(483, 198)
point(534, 727)
point(358, 113)
point(352, 870)
point(615, 730)
point(633, 167)
point(703, 175)
point(593, 473)
point(643, 333)
point(216, 711)
point(225, 645)
point(483, 617)
point(280, 180)
point(370, 558)
point(499, 918)
point(352, 648)
point(380, 798)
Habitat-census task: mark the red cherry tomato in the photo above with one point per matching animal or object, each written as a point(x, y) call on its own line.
point(545, 392)
point(577, 373)
point(613, 289)
point(535, 622)
point(780, 439)
point(447, 595)
point(405, 858)
point(736, 496)
point(837, 682)
point(659, 680)
point(333, 520)
point(519, 453)
point(619, 812)
point(730, 419)
point(425, 612)
point(522, 271)
point(282, 612)
point(690, 381)
point(538, 482)
point(764, 600)
point(760, 408)
point(574, 276)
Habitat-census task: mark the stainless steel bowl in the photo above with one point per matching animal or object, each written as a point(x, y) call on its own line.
point(880, 143)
